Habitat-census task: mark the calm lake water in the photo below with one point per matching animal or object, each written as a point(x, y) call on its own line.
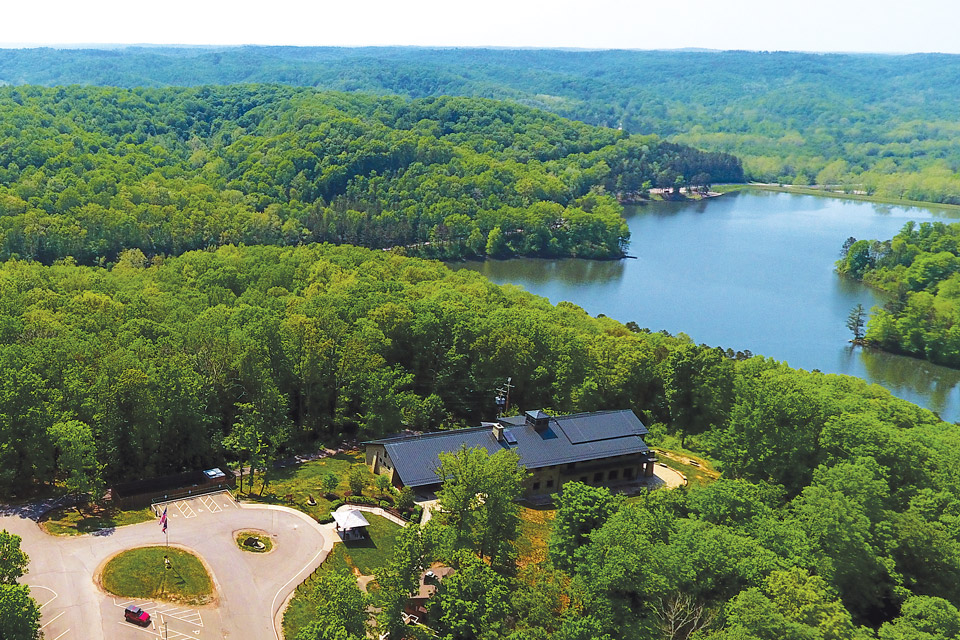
point(750, 271)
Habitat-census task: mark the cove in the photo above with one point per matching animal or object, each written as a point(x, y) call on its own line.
point(750, 270)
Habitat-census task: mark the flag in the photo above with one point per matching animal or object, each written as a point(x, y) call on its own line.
point(163, 520)
point(164, 525)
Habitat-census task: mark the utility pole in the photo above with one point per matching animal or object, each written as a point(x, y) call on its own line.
point(503, 397)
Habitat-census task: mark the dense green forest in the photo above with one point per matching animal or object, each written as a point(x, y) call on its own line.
point(88, 172)
point(142, 333)
point(918, 268)
point(879, 124)
point(835, 489)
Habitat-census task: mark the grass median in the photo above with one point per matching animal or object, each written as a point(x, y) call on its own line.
point(141, 573)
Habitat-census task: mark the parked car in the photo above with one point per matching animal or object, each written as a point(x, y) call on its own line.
point(136, 615)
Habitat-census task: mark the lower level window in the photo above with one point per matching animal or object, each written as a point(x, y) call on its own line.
point(628, 473)
point(598, 476)
point(536, 485)
point(612, 475)
point(549, 483)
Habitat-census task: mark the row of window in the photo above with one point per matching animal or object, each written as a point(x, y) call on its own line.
point(613, 474)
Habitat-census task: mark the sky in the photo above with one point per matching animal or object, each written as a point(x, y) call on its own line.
point(899, 26)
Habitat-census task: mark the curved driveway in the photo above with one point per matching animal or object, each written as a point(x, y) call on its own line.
point(250, 587)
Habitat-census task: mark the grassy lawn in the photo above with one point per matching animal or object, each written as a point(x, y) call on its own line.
point(698, 475)
point(371, 553)
point(361, 557)
point(303, 480)
point(535, 526)
point(69, 522)
point(265, 540)
point(140, 573)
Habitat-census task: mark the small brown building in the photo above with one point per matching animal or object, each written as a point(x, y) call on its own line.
point(599, 448)
point(415, 610)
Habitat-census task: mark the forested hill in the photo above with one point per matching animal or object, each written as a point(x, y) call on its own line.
point(881, 124)
point(86, 172)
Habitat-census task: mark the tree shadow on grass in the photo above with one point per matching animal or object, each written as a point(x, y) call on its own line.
point(180, 581)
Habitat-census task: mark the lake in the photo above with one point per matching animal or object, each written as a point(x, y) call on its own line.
point(750, 270)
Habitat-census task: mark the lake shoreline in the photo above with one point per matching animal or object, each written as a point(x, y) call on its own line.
point(716, 271)
point(824, 193)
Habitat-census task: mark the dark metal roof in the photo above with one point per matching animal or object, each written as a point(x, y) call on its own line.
point(417, 458)
point(574, 438)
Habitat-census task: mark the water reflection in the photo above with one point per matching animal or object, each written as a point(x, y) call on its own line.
point(539, 272)
point(752, 270)
point(918, 380)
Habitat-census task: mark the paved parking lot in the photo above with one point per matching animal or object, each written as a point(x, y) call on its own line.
point(168, 621)
point(250, 588)
point(54, 628)
point(187, 508)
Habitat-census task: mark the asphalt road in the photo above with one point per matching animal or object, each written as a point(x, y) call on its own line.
point(250, 588)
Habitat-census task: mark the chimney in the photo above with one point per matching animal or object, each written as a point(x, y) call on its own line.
point(538, 420)
point(498, 431)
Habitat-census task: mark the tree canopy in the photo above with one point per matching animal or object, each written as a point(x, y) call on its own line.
point(920, 269)
point(883, 125)
point(90, 172)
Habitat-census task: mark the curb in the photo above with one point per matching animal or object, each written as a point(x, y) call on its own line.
point(321, 554)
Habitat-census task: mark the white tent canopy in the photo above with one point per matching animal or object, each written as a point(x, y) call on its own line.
point(352, 519)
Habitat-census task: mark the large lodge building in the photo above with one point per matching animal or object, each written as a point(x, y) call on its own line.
point(601, 448)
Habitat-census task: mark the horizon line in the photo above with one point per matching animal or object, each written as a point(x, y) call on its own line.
point(154, 45)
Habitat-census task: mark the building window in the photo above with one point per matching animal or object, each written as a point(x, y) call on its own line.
point(583, 479)
point(628, 473)
point(549, 483)
point(612, 475)
point(536, 486)
point(598, 476)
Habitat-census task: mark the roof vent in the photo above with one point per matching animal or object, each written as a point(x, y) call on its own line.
point(538, 419)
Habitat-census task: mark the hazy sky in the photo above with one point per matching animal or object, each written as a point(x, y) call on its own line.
point(812, 25)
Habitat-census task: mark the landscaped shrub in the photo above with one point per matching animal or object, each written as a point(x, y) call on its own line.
point(405, 499)
point(358, 479)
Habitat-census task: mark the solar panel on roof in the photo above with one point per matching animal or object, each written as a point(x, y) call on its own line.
point(509, 437)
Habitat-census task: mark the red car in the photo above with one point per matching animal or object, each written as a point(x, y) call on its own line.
point(136, 615)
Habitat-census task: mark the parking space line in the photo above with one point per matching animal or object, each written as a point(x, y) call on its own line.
point(62, 634)
point(55, 594)
point(185, 509)
point(190, 617)
point(211, 504)
point(174, 612)
point(54, 619)
point(172, 634)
